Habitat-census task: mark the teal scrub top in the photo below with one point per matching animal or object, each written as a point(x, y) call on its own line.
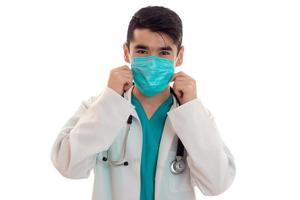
point(152, 132)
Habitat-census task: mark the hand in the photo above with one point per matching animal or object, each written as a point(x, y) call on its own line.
point(120, 79)
point(184, 87)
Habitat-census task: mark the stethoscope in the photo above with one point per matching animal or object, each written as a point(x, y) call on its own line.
point(177, 166)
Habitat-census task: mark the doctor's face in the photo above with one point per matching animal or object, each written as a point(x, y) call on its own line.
point(147, 43)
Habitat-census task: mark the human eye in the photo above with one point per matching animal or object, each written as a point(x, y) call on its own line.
point(141, 51)
point(165, 53)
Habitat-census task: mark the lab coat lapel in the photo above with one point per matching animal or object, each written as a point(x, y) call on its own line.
point(166, 139)
point(164, 148)
point(127, 95)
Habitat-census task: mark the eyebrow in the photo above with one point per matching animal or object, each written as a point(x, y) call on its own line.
point(166, 48)
point(140, 46)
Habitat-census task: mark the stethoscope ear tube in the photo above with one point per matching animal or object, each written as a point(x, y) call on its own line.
point(180, 147)
point(122, 156)
point(178, 165)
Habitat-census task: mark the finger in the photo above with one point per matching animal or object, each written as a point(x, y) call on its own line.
point(178, 74)
point(125, 67)
point(180, 83)
point(127, 74)
point(179, 86)
point(127, 79)
point(128, 85)
point(121, 73)
point(182, 73)
point(178, 90)
point(180, 78)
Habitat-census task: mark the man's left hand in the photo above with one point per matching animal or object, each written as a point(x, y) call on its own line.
point(184, 87)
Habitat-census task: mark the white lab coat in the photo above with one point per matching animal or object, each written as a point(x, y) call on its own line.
point(100, 123)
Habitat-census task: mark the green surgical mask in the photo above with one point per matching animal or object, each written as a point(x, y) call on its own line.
point(152, 74)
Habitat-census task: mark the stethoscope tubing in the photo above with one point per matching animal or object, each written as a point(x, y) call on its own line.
point(177, 166)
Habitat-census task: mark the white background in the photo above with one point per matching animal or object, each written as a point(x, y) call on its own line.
point(245, 56)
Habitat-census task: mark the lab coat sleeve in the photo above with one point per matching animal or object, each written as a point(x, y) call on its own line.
point(211, 164)
point(92, 129)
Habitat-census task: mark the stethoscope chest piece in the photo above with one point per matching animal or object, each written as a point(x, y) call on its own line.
point(178, 165)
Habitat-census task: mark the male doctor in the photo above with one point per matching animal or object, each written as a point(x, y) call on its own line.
point(101, 131)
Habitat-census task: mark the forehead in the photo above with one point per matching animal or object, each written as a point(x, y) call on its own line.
point(153, 40)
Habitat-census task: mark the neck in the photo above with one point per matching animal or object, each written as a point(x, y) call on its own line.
point(151, 100)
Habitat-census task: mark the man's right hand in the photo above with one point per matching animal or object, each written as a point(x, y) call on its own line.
point(120, 79)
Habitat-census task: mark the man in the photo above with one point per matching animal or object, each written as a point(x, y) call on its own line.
point(130, 132)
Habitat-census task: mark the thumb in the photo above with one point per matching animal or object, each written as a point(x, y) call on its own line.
point(173, 78)
point(127, 86)
point(177, 92)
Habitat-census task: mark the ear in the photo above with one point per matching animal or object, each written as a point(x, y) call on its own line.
point(180, 56)
point(126, 52)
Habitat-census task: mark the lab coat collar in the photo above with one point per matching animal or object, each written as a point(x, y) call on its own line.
point(128, 94)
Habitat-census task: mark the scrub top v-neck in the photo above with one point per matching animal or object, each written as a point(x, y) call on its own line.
point(152, 132)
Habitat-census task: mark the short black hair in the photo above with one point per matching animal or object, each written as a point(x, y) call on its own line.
point(157, 19)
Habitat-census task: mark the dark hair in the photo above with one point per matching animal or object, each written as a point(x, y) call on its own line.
point(157, 19)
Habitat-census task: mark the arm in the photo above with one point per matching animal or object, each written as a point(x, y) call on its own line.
point(211, 164)
point(92, 129)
